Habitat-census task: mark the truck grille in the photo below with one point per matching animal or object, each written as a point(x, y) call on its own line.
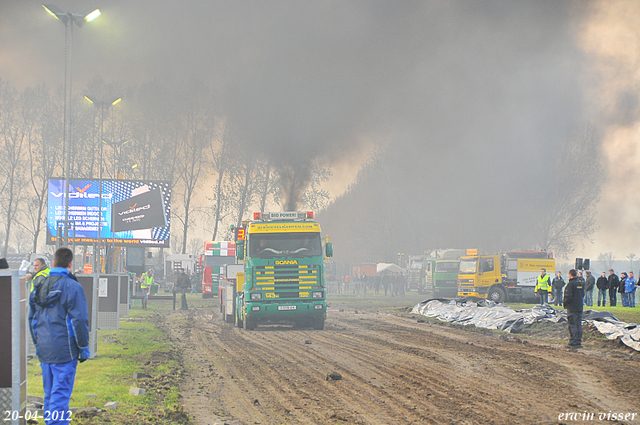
point(294, 275)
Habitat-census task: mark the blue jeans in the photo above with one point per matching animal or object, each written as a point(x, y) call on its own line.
point(625, 300)
point(632, 298)
point(588, 298)
point(57, 380)
point(602, 296)
point(557, 296)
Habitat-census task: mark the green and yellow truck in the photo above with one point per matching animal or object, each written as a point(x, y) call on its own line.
point(283, 255)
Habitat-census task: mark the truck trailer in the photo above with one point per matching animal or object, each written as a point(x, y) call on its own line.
point(507, 277)
point(283, 270)
point(216, 255)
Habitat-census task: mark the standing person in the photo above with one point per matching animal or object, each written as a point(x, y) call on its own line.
point(146, 280)
point(365, 283)
point(193, 283)
point(59, 326)
point(183, 283)
point(614, 282)
point(602, 284)
point(621, 288)
point(556, 286)
point(573, 297)
point(542, 286)
point(386, 282)
point(589, 284)
point(376, 284)
point(403, 284)
point(630, 290)
point(40, 271)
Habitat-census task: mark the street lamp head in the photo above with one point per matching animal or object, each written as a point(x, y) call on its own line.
point(98, 102)
point(87, 15)
point(92, 15)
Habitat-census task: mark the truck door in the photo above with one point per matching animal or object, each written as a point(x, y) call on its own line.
point(487, 272)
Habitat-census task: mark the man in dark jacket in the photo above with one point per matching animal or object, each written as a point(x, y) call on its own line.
point(59, 326)
point(602, 284)
point(557, 285)
point(614, 283)
point(589, 284)
point(573, 297)
point(183, 283)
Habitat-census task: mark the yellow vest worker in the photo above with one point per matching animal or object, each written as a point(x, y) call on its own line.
point(41, 270)
point(543, 283)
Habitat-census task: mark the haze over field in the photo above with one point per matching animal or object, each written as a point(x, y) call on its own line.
point(469, 106)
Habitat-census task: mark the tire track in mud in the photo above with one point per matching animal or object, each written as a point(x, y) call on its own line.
point(394, 369)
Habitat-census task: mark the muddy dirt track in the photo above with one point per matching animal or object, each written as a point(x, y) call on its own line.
point(395, 370)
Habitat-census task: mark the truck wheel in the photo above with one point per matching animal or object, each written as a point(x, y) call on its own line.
point(497, 294)
point(318, 323)
point(249, 324)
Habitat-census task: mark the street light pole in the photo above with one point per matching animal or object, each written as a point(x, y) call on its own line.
point(68, 19)
point(103, 105)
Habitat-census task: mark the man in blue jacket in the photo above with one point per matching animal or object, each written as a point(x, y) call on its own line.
point(59, 325)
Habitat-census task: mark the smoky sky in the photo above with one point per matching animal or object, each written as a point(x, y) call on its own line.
point(471, 97)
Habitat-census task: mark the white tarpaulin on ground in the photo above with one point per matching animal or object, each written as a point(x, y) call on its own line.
point(487, 314)
point(388, 267)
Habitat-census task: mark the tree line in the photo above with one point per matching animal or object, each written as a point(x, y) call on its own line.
point(176, 134)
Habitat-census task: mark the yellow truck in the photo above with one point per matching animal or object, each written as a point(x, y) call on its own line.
point(506, 277)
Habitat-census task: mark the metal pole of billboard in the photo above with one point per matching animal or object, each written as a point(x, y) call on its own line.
point(103, 105)
point(116, 158)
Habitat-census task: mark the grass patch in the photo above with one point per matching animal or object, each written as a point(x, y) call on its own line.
point(138, 346)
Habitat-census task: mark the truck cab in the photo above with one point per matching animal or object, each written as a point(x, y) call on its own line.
point(283, 271)
point(480, 276)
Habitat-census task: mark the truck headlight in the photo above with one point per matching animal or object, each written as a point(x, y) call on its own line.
point(256, 296)
point(317, 294)
point(255, 308)
point(318, 307)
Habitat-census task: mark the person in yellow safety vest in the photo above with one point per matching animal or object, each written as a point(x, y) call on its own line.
point(40, 271)
point(543, 287)
point(145, 283)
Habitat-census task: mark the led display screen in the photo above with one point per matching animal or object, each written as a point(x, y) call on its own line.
point(120, 212)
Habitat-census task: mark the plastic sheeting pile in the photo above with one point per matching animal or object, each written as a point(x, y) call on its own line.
point(487, 314)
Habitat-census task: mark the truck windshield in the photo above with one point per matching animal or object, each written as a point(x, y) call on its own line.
point(468, 266)
point(447, 267)
point(270, 245)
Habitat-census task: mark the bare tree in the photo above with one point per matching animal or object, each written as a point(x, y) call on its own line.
point(607, 259)
point(631, 257)
point(314, 197)
point(221, 159)
point(568, 213)
point(16, 123)
point(197, 131)
point(44, 158)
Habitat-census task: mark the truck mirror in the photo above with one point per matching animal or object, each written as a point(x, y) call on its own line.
point(240, 250)
point(586, 264)
point(328, 247)
point(579, 264)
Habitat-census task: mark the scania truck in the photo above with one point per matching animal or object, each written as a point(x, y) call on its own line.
point(508, 277)
point(283, 270)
